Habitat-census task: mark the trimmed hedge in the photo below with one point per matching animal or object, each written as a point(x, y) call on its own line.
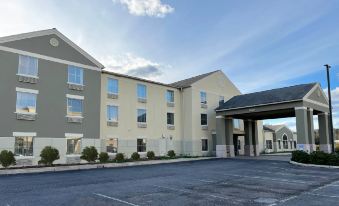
point(135, 156)
point(49, 155)
point(90, 154)
point(120, 157)
point(7, 158)
point(171, 153)
point(318, 158)
point(103, 157)
point(150, 155)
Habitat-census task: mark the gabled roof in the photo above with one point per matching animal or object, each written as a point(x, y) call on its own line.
point(49, 32)
point(273, 128)
point(188, 82)
point(273, 96)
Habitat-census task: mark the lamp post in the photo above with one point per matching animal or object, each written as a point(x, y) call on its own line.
point(330, 104)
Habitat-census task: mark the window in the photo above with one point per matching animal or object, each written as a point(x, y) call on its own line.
point(74, 146)
point(112, 86)
point(285, 143)
point(112, 145)
point(295, 144)
point(269, 144)
point(203, 119)
point(236, 123)
point(203, 98)
point(74, 107)
point(170, 96)
point(142, 91)
point(26, 102)
point(239, 144)
point(141, 145)
point(279, 144)
point(170, 118)
point(23, 146)
point(141, 115)
point(204, 145)
point(75, 75)
point(28, 66)
point(112, 113)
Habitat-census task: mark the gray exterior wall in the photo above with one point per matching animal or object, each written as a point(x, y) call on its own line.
point(51, 101)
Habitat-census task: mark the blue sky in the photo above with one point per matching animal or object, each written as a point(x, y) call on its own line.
point(259, 44)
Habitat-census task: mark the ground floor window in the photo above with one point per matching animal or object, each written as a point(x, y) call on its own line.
point(269, 144)
point(112, 145)
point(295, 144)
point(239, 144)
point(279, 144)
point(285, 143)
point(141, 145)
point(23, 146)
point(74, 146)
point(204, 145)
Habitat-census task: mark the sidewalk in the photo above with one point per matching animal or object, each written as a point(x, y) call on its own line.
point(95, 166)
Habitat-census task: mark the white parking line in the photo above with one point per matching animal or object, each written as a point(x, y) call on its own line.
point(321, 195)
point(266, 178)
point(207, 181)
point(116, 199)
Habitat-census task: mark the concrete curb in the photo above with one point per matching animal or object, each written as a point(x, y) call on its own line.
point(277, 154)
point(96, 166)
point(312, 165)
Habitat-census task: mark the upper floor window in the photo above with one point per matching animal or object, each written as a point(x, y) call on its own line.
point(142, 91)
point(26, 102)
point(112, 86)
point(75, 75)
point(170, 96)
point(141, 115)
point(74, 107)
point(170, 118)
point(203, 119)
point(28, 66)
point(112, 113)
point(203, 98)
point(23, 146)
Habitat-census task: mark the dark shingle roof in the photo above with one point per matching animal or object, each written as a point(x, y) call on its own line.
point(188, 82)
point(273, 128)
point(279, 95)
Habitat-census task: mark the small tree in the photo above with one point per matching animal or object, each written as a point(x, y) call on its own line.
point(49, 155)
point(150, 155)
point(171, 153)
point(119, 157)
point(90, 154)
point(135, 156)
point(103, 157)
point(7, 158)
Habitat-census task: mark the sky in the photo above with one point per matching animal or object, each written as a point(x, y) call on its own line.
point(259, 44)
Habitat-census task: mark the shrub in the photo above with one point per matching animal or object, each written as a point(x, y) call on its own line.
point(119, 157)
point(150, 155)
point(319, 158)
point(336, 148)
point(49, 155)
point(90, 154)
point(7, 158)
point(333, 159)
point(135, 156)
point(300, 156)
point(103, 157)
point(171, 153)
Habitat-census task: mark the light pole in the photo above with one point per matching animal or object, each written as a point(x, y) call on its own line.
point(330, 104)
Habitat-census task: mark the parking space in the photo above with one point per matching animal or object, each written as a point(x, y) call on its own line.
point(209, 182)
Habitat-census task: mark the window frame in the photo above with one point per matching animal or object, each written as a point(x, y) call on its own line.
point(75, 144)
point(269, 144)
point(115, 140)
point(107, 113)
point(203, 97)
point(201, 119)
point(140, 115)
point(169, 115)
point(109, 79)
point(68, 107)
point(143, 146)
point(285, 141)
point(26, 92)
point(81, 75)
point(169, 96)
point(20, 64)
point(141, 86)
point(29, 149)
point(204, 145)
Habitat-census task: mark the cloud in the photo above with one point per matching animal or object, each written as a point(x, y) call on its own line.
point(134, 65)
point(153, 8)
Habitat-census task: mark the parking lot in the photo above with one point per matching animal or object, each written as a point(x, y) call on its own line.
point(208, 182)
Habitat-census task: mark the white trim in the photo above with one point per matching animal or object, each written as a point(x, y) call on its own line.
point(53, 59)
point(317, 103)
point(26, 75)
point(317, 86)
point(71, 96)
point(49, 32)
point(32, 91)
point(325, 113)
point(299, 108)
point(220, 117)
point(24, 134)
point(73, 135)
point(70, 116)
